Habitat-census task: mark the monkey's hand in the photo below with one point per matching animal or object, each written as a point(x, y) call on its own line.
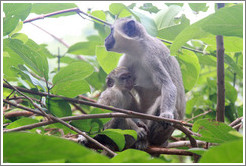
point(142, 140)
point(168, 115)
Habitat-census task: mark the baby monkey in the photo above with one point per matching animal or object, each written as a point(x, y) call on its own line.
point(118, 94)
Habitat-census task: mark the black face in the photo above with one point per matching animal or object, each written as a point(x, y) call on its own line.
point(110, 41)
point(130, 28)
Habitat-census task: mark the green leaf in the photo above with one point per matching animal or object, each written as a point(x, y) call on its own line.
point(107, 60)
point(99, 14)
point(213, 131)
point(231, 44)
point(20, 36)
point(22, 122)
point(26, 75)
point(199, 7)
point(118, 136)
point(13, 13)
point(134, 156)
point(228, 60)
point(149, 7)
point(178, 4)
point(119, 9)
point(147, 22)
point(70, 80)
point(58, 107)
point(22, 147)
point(32, 58)
point(83, 48)
point(170, 32)
point(45, 8)
point(190, 69)
point(17, 29)
point(226, 21)
point(199, 151)
point(19, 10)
point(229, 152)
point(165, 17)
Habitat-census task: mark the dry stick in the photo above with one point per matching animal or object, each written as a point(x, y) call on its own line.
point(77, 10)
point(204, 113)
point(137, 114)
point(220, 110)
point(237, 127)
point(64, 123)
point(235, 122)
point(158, 150)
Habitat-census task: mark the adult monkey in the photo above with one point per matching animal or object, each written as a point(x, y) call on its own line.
point(158, 75)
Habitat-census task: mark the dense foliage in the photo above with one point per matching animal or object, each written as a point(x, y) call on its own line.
point(84, 66)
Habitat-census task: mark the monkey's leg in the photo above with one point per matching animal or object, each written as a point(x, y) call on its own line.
point(159, 134)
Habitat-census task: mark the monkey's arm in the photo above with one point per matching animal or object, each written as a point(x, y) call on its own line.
point(168, 90)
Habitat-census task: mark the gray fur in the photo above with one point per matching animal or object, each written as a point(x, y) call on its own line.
point(157, 75)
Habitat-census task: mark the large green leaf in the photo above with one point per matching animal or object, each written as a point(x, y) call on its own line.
point(22, 147)
point(44, 8)
point(226, 21)
point(233, 65)
point(13, 13)
point(58, 107)
point(165, 17)
point(213, 131)
point(134, 156)
point(229, 152)
point(190, 68)
point(32, 58)
point(170, 32)
point(70, 80)
point(83, 48)
point(147, 22)
point(107, 60)
point(119, 9)
point(149, 7)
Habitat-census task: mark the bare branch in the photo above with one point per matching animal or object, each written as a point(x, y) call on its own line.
point(158, 150)
point(235, 122)
point(183, 144)
point(17, 113)
point(139, 115)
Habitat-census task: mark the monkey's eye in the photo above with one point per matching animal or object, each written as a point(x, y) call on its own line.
point(110, 83)
point(130, 28)
point(125, 77)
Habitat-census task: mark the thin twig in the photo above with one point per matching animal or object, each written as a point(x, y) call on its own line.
point(56, 38)
point(139, 115)
point(204, 113)
point(235, 122)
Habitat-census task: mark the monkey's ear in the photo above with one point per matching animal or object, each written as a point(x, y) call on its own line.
point(130, 28)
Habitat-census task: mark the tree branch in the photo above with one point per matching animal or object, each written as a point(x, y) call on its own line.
point(204, 113)
point(220, 110)
point(158, 150)
point(17, 113)
point(183, 144)
point(139, 115)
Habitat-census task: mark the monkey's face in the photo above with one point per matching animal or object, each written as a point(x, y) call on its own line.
point(120, 78)
point(124, 37)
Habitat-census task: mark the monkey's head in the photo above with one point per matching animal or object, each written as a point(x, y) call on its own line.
point(125, 35)
point(120, 78)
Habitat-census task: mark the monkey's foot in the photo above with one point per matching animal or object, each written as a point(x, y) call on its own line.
point(82, 140)
point(167, 115)
point(142, 133)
